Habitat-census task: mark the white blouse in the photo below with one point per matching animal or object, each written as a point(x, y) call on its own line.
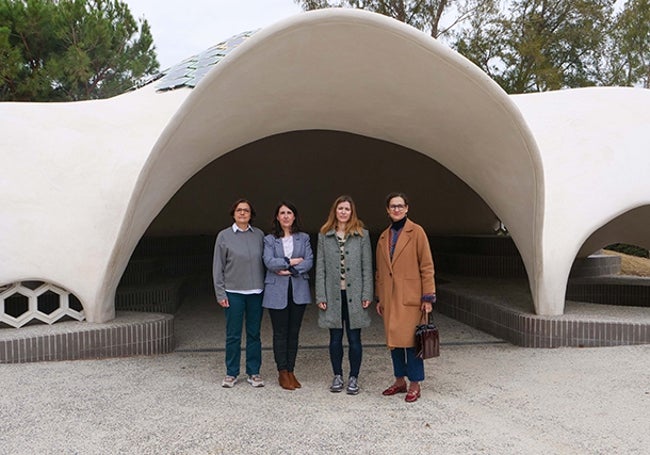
point(287, 245)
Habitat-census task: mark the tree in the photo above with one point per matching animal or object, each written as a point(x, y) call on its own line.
point(540, 45)
point(436, 17)
point(627, 58)
point(68, 50)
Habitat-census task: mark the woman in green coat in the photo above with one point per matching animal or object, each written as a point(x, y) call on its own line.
point(344, 287)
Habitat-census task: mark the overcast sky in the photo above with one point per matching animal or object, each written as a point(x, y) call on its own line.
point(182, 28)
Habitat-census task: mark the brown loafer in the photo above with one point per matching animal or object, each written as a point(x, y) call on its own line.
point(285, 380)
point(392, 390)
point(294, 380)
point(412, 396)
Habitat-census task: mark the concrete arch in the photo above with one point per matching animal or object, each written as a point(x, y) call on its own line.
point(356, 72)
point(630, 227)
point(200, 206)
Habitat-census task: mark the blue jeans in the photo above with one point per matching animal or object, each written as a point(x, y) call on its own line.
point(354, 340)
point(405, 363)
point(250, 307)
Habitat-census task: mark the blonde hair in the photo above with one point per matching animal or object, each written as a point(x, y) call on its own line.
point(354, 226)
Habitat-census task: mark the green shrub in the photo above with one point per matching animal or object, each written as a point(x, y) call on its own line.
point(632, 250)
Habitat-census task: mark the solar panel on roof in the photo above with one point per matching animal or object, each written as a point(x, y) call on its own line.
point(191, 70)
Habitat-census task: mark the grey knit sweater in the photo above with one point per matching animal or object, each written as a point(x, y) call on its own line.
point(237, 263)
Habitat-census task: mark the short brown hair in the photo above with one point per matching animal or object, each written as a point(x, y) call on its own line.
point(240, 201)
point(396, 194)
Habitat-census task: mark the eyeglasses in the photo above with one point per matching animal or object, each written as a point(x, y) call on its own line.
point(243, 210)
point(397, 207)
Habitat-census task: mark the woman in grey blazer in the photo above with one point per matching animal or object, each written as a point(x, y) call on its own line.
point(288, 259)
point(344, 287)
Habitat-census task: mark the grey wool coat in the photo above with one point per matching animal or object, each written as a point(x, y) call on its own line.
point(276, 287)
point(358, 276)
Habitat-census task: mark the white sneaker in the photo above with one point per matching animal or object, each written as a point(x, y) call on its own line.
point(256, 380)
point(229, 382)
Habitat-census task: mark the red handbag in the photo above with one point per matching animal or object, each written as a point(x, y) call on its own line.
point(427, 338)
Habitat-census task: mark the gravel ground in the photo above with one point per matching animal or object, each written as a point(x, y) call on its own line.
point(480, 396)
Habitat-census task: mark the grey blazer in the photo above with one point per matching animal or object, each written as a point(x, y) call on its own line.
point(358, 276)
point(276, 286)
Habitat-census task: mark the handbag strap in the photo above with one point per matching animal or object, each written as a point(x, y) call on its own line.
point(425, 318)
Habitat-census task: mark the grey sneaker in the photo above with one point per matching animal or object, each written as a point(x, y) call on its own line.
point(337, 383)
point(229, 382)
point(353, 386)
point(256, 380)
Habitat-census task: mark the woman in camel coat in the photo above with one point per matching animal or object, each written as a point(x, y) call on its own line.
point(405, 288)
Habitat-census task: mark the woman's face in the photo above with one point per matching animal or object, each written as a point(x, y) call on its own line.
point(285, 217)
point(397, 208)
point(242, 214)
point(343, 212)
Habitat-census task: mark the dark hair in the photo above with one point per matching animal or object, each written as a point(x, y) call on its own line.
point(240, 201)
point(396, 194)
point(276, 229)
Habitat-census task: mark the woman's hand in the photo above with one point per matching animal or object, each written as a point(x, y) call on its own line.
point(380, 310)
point(322, 305)
point(365, 303)
point(295, 261)
point(427, 307)
point(224, 303)
point(283, 272)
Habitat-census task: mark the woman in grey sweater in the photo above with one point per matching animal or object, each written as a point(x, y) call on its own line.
point(344, 287)
point(238, 275)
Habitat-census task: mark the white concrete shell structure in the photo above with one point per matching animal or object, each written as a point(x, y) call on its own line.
point(81, 182)
point(594, 148)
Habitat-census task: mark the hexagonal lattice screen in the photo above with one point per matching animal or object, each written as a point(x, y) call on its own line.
point(74, 303)
point(16, 305)
point(27, 301)
point(48, 302)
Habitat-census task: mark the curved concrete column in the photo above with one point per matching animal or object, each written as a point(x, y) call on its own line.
point(594, 151)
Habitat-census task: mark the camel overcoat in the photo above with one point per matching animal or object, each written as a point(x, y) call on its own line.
point(402, 282)
point(358, 276)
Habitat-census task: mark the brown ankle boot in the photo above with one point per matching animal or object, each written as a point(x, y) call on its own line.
point(285, 380)
point(294, 381)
